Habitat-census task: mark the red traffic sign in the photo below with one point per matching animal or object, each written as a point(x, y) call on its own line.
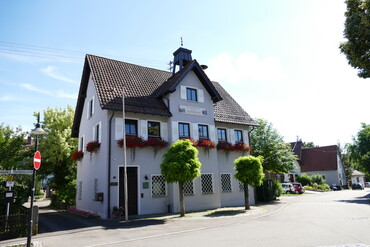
point(37, 160)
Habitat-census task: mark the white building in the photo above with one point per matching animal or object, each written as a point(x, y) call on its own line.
point(158, 104)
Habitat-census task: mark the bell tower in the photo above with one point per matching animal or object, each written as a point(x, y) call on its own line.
point(181, 57)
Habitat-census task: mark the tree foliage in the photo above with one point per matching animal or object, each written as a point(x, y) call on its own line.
point(249, 171)
point(267, 142)
point(360, 150)
point(347, 161)
point(181, 164)
point(56, 147)
point(357, 34)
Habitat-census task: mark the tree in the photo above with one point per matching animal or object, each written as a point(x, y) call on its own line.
point(309, 145)
point(267, 142)
point(345, 157)
point(360, 150)
point(249, 171)
point(357, 33)
point(17, 156)
point(181, 164)
point(56, 147)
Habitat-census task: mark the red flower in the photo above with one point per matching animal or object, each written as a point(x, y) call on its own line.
point(92, 146)
point(77, 155)
point(194, 142)
point(223, 145)
point(241, 146)
point(132, 142)
point(206, 144)
point(156, 142)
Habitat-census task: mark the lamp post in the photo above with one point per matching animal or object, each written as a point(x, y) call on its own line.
point(37, 131)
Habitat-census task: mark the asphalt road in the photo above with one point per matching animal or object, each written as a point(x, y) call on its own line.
point(340, 218)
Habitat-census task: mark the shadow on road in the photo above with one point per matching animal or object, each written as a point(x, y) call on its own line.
point(54, 221)
point(358, 200)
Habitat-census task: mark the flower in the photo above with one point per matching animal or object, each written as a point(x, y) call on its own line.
point(118, 211)
point(224, 145)
point(132, 142)
point(92, 146)
point(241, 146)
point(206, 144)
point(81, 212)
point(156, 142)
point(78, 155)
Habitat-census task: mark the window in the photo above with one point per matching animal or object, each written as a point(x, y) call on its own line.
point(79, 190)
point(238, 136)
point(206, 183)
point(241, 186)
point(188, 188)
point(221, 135)
point(226, 182)
point(191, 94)
point(154, 129)
point(158, 186)
point(96, 133)
point(203, 131)
point(131, 127)
point(81, 143)
point(184, 130)
point(90, 111)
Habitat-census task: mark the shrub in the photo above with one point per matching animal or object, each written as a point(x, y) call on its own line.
point(304, 179)
point(318, 179)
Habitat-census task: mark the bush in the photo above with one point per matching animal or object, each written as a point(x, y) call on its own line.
point(304, 179)
point(318, 179)
point(269, 190)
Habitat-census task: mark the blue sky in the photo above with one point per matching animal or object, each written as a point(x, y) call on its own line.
point(279, 59)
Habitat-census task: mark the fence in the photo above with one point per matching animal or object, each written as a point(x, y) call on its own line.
point(15, 226)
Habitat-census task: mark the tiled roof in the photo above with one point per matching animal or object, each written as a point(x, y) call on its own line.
point(229, 111)
point(144, 88)
point(319, 159)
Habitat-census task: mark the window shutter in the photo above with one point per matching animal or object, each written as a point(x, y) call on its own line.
point(118, 128)
point(245, 137)
point(143, 129)
point(231, 135)
point(200, 95)
point(164, 133)
point(175, 131)
point(195, 132)
point(183, 92)
point(212, 133)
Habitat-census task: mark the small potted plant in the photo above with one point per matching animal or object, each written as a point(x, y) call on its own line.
point(118, 212)
point(92, 146)
point(78, 155)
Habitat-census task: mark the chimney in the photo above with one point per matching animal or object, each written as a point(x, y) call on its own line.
point(180, 58)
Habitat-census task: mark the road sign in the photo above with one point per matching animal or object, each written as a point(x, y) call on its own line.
point(23, 172)
point(9, 183)
point(37, 160)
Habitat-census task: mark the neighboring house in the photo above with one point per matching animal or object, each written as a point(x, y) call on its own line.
point(358, 177)
point(291, 176)
point(158, 104)
point(324, 161)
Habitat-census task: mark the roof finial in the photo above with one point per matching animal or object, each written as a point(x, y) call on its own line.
point(181, 42)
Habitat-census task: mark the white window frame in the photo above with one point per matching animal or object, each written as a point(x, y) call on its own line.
point(230, 181)
point(201, 184)
point(97, 138)
point(151, 187)
point(91, 107)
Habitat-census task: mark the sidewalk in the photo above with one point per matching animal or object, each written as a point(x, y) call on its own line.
point(192, 220)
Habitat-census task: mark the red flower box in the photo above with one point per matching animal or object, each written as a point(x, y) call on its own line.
point(78, 155)
point(92, 146)
point(132, 142)
point(156, 142)
point(206, 144)
point(223, 145)
point(241, 146)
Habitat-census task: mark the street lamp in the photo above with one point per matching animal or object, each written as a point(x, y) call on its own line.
point(37, 131)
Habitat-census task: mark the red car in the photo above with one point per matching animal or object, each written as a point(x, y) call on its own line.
point(298, 187)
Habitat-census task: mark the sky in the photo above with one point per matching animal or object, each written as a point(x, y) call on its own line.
point(279, 59)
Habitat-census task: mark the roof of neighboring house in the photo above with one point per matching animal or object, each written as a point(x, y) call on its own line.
point(319, 159)
point(297, 148)
point(144, 88)
point(357, 173)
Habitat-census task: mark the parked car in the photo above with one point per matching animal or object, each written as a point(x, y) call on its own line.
point(357, 186)
point(298, 188)
point(288, 188)
point(367, 184)
point(335, 187)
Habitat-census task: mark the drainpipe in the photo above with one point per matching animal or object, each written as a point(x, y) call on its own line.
point(249, 138)
point(109, 159)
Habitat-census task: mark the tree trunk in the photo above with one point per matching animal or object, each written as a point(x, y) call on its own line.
point(246, 197)
point(182, 203)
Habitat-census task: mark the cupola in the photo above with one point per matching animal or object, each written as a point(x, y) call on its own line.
point(181, 57)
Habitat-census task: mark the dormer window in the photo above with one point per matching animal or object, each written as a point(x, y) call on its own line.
point(191, 94)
